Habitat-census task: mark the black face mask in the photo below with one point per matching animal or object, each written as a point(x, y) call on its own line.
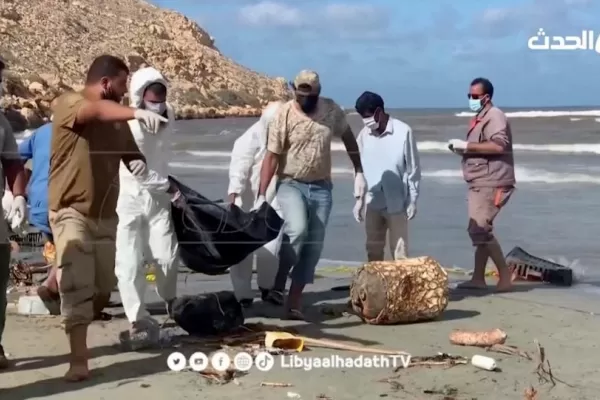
point(308, 103)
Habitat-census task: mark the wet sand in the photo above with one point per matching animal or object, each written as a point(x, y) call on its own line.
point(565, 324)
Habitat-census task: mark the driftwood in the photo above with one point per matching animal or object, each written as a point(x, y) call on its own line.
point(401, 291)
point(478, 338)
point(510, 350)
point(543, 369)
point(276, 384)
point(442, 359)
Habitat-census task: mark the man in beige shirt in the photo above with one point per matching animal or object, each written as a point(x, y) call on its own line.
point(299, 152)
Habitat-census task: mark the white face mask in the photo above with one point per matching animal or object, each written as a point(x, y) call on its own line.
point(371, 124)
point(158, 108)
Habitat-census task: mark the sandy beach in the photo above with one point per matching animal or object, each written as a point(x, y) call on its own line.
point(565, 324)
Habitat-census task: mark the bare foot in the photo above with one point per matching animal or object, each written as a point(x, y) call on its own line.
point(472, 285)
point(77, 373)
point(504, 286)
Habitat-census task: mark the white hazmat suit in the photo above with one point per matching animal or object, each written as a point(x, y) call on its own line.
point(244, 178)
point(145, 232)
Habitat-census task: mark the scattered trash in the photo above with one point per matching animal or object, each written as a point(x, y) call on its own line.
point(510, 350)
point(292, 395)
point(323, 397)
point(543, 369)
point(284, 340)
point(487, 363)
point(150, 273)
point(441, 359)
point(276, 384)
point(447, 390)
point(400, 291)
point(394, 384)
point(531, 393)
point(532, 268)
point(478, 338)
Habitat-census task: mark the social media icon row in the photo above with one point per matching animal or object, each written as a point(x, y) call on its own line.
point(220, 361)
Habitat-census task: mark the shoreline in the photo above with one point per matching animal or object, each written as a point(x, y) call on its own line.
point(532, 312)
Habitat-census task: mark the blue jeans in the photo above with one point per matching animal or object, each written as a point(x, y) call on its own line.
point(305, 208)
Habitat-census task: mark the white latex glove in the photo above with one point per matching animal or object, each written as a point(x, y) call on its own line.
point(7, 201)
point(238, 201)
point(137, 167)
point(259, 202)
point(18, 214)
point(411, 211)
point(457, 144)
point(175, 196)
point(359, 210)
point(150, 119)
point(360, 185)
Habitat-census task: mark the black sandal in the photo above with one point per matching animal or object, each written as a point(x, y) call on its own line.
point(295, 315)
point(246, 303)
point(274, 297)
point(102, 316)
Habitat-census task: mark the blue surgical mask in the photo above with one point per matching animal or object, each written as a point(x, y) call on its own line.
point(475, 104)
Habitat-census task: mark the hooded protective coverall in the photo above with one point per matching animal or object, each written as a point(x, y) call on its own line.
point(145, 231)
point(244, 177)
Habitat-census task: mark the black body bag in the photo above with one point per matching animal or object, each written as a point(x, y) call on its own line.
point(208, 314)
point(215, 236)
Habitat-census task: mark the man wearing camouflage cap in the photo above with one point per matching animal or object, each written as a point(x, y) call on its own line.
point(299, 153)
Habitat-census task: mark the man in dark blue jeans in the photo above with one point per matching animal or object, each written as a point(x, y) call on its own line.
point(299, 152)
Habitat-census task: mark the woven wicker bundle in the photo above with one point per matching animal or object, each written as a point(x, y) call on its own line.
point(392, 292)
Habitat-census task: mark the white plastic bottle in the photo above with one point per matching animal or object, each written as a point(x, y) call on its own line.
point(484, 362)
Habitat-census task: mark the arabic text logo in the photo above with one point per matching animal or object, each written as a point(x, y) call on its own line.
point(588, 40)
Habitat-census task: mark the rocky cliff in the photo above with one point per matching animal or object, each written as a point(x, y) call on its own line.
point(48, 45)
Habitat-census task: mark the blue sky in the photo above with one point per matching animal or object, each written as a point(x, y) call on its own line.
point(415, 54)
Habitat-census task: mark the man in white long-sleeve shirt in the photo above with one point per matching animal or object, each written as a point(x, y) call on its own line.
point(244, 177)
point(390, 160)
point(145, 232)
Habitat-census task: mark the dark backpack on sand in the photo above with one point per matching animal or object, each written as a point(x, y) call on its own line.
point(214, 236)
point(208, 314)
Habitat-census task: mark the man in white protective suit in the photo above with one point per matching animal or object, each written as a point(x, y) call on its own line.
point(145, 233)
point(244, 177)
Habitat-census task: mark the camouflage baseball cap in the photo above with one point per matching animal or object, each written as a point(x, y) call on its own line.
point(310, 79)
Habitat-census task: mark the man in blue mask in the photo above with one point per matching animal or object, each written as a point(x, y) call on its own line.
point(488, 169)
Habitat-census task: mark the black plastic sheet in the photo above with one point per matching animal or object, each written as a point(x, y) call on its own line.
point(215, 236)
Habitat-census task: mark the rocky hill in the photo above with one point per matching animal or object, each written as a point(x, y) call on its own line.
point(48, 45)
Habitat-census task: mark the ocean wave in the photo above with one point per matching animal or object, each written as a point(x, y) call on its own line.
point(524, 175)
point(428, 146)
point(541, 114)
point(571, 148)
